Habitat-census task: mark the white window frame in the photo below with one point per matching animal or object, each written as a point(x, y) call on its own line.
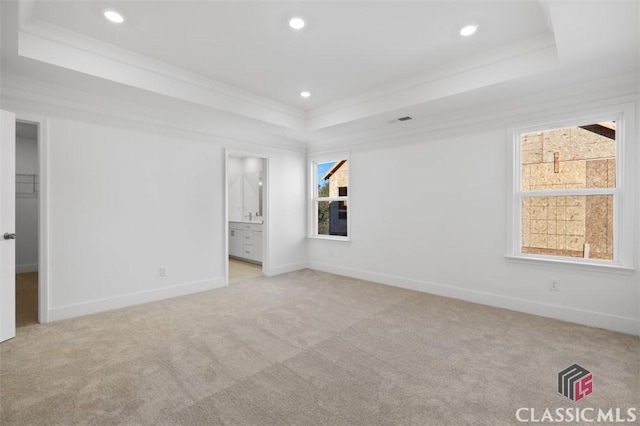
point(314, 199)
point(623, 193)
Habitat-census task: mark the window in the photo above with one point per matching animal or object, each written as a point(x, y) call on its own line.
point(330, 199)
point(567, 192)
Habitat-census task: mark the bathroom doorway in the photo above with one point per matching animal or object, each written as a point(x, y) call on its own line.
point(246, 215)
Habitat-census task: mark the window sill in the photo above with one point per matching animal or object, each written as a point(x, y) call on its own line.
point(587, 265)
point(330, 238)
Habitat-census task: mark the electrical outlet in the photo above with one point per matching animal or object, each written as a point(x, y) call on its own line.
point(164, 271)
point(554, 284)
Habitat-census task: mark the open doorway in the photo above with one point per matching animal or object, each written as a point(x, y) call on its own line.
point(27, 223)
point(246, 215)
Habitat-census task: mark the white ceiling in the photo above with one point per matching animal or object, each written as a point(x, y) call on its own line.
point(365, 62)
point(345, 49)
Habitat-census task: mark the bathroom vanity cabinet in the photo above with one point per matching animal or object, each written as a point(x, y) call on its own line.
point(245, 241)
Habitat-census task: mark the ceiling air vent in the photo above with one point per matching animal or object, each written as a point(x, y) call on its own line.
point(396, 120)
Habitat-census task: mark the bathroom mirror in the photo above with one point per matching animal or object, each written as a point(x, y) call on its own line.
point(252, 193)
point(245, 180)
point(260, 189)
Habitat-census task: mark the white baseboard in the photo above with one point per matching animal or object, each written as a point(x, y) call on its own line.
point(94, 306)
point(578, 316)
point(29, 267)
point(283, 269)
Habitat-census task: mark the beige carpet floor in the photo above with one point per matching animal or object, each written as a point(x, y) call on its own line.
point(306, 348)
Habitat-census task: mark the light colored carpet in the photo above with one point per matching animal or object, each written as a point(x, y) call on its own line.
point(26, 299)
point(306, 348)
point(239, 270)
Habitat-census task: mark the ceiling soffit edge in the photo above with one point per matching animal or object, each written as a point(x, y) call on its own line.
point(539, 57)
point(99, 48)
point(66, 102)
point(57, 46)
point(581, 96)
point(486, 58)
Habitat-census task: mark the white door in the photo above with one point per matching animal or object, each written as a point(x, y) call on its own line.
point(7, 225)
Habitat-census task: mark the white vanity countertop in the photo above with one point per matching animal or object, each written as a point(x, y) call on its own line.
point(257, 222)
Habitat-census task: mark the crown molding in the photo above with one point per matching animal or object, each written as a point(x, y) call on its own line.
point(521, 59)
point(623, 88)
point(58, 46)
point(54, 45)
point(439, 87)
point(34, 96)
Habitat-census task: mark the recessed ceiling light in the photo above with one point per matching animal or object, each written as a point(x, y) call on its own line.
point(296, 23)
point(468, 30)
point(114, 16)
point(305, 94)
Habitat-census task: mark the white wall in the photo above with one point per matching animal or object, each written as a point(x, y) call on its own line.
point(125, 202)
point(127, 196)
point(429, 212)
point(26, 209)
point(287, 209)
